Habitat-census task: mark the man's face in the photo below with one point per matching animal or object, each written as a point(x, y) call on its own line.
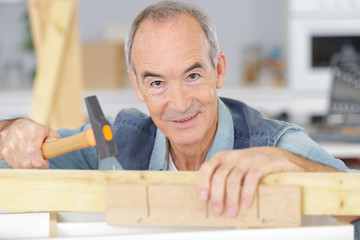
point(176, 78)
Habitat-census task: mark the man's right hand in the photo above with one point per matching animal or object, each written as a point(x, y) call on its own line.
point(21, 143)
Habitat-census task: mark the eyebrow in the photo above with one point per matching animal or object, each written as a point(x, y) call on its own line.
point(195, 65)
point(156, 75)
point(150, 74)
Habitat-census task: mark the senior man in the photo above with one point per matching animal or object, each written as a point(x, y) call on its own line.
point(175, 67)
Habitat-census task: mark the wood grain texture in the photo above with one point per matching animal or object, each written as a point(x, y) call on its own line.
point(129, 201)
point(179, 205)
point(323, 193)
point(71, 190)
point(279, 205)
point(85, 190)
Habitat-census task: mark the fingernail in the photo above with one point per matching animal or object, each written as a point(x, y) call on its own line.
point(231, 212)
point(244, 204)
point(203, 195)
point(216, 209)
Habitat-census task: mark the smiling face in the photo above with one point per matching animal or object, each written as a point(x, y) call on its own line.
point(176, 79)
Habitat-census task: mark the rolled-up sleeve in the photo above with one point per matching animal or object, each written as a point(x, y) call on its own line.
point(5, 118)
point(299, 143)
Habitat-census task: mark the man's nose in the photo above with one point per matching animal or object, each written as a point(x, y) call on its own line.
point(180, 99)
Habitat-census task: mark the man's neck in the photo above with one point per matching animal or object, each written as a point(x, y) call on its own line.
point(191, 157)
point(188, 159)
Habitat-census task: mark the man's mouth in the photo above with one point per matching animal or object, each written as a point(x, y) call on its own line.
point(187, 119)
point(186, 122)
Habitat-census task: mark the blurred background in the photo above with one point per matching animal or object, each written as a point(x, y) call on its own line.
point(249, 31)
point(278, 52)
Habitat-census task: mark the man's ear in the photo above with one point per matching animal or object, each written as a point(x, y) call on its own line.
point(220, 70)
point(135, 85)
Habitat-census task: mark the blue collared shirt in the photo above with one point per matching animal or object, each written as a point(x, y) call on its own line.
point(224, 140)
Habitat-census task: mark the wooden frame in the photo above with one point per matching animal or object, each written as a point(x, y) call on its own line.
point(58, 85)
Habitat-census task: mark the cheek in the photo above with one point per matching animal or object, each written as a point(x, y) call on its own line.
point(153, 106)
point(151, 101)
point(156, 108)
point(206, 93)
point(208, 97)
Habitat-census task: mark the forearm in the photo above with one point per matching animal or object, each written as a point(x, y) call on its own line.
point(298, 143)
point(309, 166)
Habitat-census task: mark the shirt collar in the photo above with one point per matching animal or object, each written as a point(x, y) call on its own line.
point(223, 141)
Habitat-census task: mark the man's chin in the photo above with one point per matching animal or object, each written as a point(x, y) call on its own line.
point(184, 140)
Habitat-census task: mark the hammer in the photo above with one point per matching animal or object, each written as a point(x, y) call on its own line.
point(100, 136)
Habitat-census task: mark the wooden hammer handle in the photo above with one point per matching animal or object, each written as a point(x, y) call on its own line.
point(64, 145)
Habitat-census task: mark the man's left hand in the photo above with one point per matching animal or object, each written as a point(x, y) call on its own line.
point(229, 179)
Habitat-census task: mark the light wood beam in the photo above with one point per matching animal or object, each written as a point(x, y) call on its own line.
point(57, 92)
point(85, 190)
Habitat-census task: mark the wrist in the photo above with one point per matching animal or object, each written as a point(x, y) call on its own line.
point(4, 124)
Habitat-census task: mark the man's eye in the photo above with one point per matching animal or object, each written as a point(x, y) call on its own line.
point(193, 76)
point(156, 84)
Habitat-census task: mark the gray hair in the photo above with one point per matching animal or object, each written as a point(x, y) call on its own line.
point(170, 10)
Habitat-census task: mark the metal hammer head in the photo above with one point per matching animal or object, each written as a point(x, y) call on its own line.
point(105, 143)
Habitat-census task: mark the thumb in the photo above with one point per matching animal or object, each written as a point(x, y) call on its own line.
point(53, 135)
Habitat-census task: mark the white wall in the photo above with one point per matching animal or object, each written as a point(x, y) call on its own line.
point(239, 23)
point(16, 65)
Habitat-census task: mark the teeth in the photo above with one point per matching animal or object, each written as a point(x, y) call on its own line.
point(187, 119)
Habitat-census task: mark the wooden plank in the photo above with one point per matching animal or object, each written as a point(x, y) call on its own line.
point(323, 193)
point(85, 190)
point(71, 190)
point(279, 205)
point(38, 16)
point(67, 110)
point(175, 205)
point(179, 205)
point(53, 224)
point(51, 59)
point(128, 201)
point(58, 94)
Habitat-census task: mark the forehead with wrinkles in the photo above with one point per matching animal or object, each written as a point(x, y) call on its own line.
point(156, 41)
